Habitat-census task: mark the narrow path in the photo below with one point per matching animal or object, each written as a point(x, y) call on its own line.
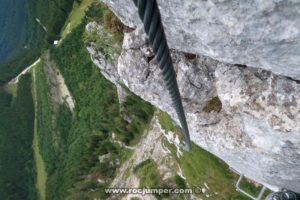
point(40, 165)
point(16, 79)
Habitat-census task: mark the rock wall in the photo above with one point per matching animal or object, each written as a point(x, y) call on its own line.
point(257, 131)
point(257, 33)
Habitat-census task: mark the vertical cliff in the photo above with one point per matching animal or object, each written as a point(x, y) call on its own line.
point(247, 116)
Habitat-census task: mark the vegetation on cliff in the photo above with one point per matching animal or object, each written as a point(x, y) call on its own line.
point(72, 144)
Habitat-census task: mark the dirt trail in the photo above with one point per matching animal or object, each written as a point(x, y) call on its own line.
point(16, 79)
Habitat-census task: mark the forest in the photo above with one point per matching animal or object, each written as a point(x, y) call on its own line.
point(17, 171)
point(17, 167)
point(71, 143)
point(34, 40)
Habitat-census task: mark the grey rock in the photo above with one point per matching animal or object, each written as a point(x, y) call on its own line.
point(122, 95)
point(258, 33)
point(272, 99)
point(107, 68)
point(269, 109)
point(257, 131)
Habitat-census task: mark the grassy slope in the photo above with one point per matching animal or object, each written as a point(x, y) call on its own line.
point(11, 89)
point(76, 15)
point(200, 166)
point(148, 174)
point(40, 167)
point(39, 162)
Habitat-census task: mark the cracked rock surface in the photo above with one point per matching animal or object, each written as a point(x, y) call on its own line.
point(257, 33)
point(257, 131)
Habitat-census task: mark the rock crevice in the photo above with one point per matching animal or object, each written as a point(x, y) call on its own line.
point(263, 34)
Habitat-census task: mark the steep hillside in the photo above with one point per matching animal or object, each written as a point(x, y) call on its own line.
point(71, 143)
point(95, 115)
point(247, 116)
point(111, 137)
point(21, 32)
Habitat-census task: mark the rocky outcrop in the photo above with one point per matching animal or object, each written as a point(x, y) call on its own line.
point(257, 130)
point(152, 147)
point(257, 33)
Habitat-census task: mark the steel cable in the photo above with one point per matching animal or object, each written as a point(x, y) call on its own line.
point(150, 16)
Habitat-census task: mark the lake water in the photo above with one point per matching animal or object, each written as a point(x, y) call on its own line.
point(12, 27)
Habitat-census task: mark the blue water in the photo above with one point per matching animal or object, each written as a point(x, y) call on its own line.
point(12, 27)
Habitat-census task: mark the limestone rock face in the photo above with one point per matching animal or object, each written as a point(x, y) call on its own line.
point(268, 107)
point(257, 131)
point(258, 33)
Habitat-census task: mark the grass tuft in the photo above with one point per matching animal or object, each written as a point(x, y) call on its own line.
point(213, 105)
point(148, 173)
